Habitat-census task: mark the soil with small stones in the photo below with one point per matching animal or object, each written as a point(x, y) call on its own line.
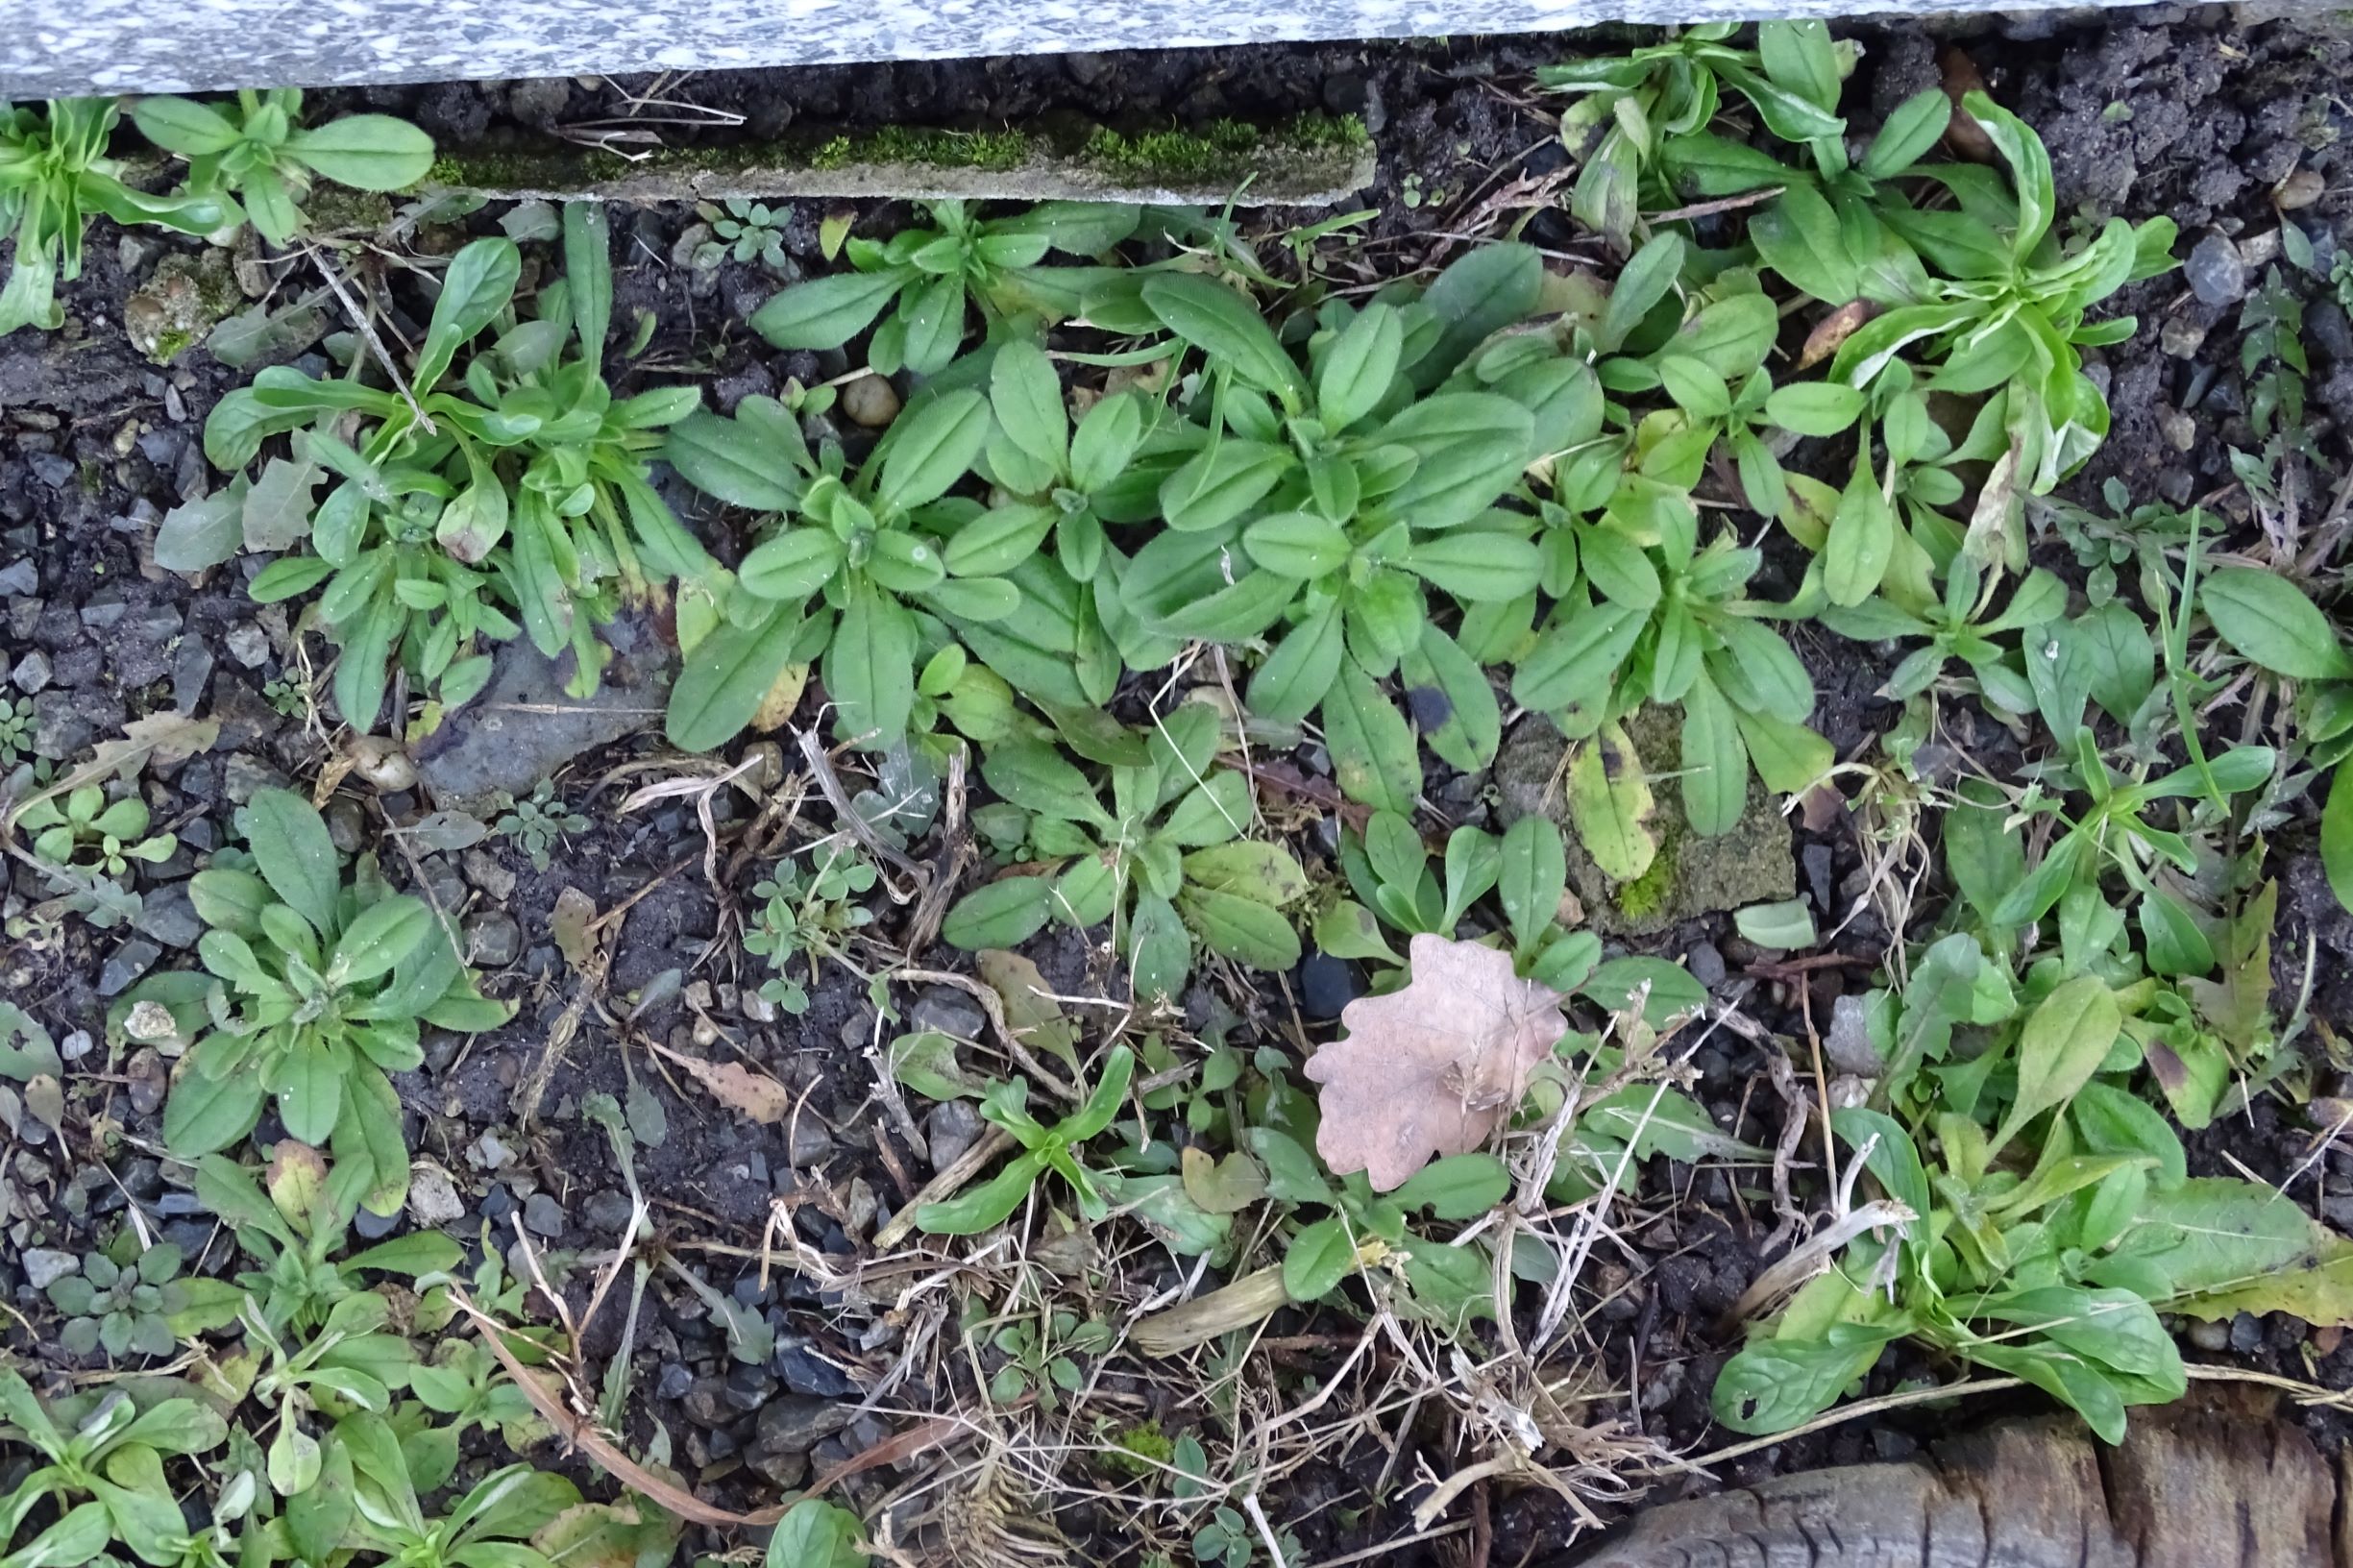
point(2176, 111)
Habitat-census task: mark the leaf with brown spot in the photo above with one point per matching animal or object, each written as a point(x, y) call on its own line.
point(753, 1095)
point(297, 1181)
point(1996, 528)
point(44, 1097)
point(1434, 1068)
point(1610, 803)
point(607, 1535)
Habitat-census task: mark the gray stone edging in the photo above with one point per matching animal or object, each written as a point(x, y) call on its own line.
point(52, 48)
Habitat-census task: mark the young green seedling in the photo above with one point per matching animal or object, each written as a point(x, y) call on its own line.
point(260, 152)
point(1044, 1148)
point(54, 174)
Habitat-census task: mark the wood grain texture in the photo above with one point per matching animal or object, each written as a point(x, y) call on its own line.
point(2222, 1482)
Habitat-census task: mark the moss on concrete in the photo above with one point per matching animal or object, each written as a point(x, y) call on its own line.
point(180, 304)
point(1691, 874)
point(1313, 158)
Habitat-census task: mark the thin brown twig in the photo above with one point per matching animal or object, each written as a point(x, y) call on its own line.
point(1821, 1086)
point(1721, 204)
point(376, 345)
point(944, 1186)
point(993, 1005)
point(857, 826)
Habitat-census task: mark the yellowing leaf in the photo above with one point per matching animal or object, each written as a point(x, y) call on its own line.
point(1222, 1186)
point(2213, 1246)
point(297, 1181)
point(1434, 1068)
point(783, 697)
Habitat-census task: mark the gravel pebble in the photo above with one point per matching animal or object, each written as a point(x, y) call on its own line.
point(44, 1267)
point(485, 872)
point(543, 1216)
point(1705, 964)
point(949, 1012)
point(1326, 984)
point(126, 964)
point(871, 401)
point(432, 1197)
point(168, 915)
point(2215, 271)
point(249, 645)
point(493, 939)
point(795, 1423)
point(950, 1128)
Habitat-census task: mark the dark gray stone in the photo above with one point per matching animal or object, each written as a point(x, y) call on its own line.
point(748, 1387)
point(493, 939)
point(244, 773)
point(947, 1011)
point(1816, 858)
point(249, 645)
point(522, 727)
point(2215, 272)
point(951, 1127)
point(810, 1141)
point(795, 1423)
point(1705, 964)
point(126, 964)
point(806, 1372)
point(608, 1212)
point(543, 1216)
point(169, 916)
point(1326, 986)
point(705, 1403)
point(191, 668)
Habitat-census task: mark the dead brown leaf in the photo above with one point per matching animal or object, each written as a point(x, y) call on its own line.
point(1434, 1068)
point(164, 738)
point(1964, 138)
point(1821, 806)
point(734, 1085)
point(573, 910)
point(1833, 329)
point(1032, 1015)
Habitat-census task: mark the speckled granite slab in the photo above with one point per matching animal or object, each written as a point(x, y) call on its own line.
point(51, 48)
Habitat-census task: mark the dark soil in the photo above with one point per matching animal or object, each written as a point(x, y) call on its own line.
point(96, 444)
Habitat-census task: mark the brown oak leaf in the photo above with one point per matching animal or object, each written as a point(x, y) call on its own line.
point(1434, 1066)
